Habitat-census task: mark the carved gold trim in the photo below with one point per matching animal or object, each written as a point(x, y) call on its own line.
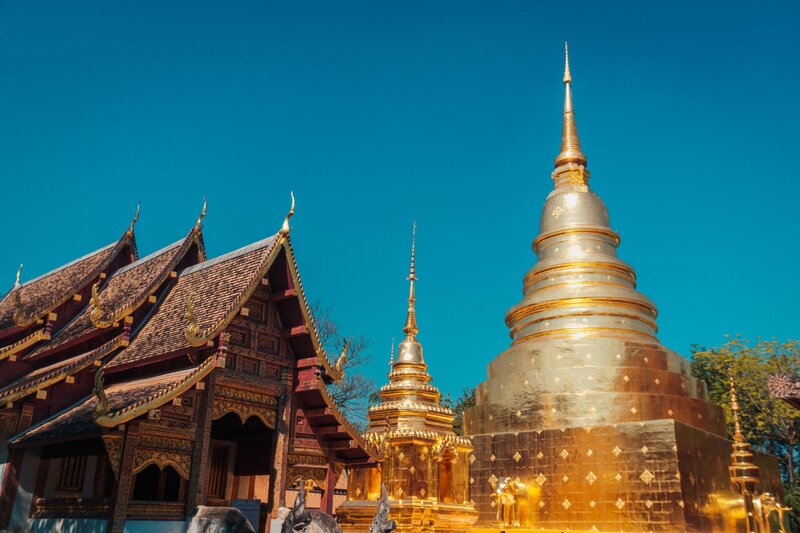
point(587, 301)
point(58, 374)
point(566, 332)
point(244, 411)
point(130, 412)
point(30, 340)
point(605, 232)
point(144, 457)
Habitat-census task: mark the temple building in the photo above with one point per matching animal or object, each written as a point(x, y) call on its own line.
point(425, 465)
point(134, 389)
point(593, 422)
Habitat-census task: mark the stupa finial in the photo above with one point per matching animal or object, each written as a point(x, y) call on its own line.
point(570, 144)
point(391, 354)
point(411, 328)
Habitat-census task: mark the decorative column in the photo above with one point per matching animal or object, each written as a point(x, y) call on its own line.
point(330, 487)
point(124, 482)
point(281, 445)
point(198, 477)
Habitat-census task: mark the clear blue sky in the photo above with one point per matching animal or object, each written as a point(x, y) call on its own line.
point(377, 113)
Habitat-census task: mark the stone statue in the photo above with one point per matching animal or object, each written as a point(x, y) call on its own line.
point(300, 520)
point(381, 522)
point(218, 520)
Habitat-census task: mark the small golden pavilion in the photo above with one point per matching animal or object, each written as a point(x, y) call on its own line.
point(426, 467)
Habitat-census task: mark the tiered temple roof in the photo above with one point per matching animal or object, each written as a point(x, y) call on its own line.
point(155, 327)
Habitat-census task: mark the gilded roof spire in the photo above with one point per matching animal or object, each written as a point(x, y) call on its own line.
point(199, 224)
point(737, 428)
point(411, 328)
point(570, 144)
point(135, 218)
point(285, 228)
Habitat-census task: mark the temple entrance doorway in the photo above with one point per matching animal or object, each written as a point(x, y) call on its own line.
point(241, 464)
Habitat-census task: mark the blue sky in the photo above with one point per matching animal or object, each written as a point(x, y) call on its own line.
point(378, 113)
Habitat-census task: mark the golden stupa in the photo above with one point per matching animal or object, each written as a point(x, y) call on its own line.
point(425, 468)
point(591, 422)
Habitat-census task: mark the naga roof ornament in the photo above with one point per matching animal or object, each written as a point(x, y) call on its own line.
point(97, 309)
point(102, 401)
point(342, 358)
point(192, 331)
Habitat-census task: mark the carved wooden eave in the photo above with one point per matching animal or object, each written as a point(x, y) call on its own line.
point(103, 318)
point(786, 388)
point(26, 317)
point(120, 416)
point(48, 377)
point(333, 428)
point(330, 370)
point(11, 351)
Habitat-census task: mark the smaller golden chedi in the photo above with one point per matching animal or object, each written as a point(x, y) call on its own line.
point(425, 465)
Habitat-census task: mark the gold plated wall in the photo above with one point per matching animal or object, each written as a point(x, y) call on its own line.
point(659, 475)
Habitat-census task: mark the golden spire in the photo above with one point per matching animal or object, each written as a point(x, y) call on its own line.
point(19, 273)
point(391, 354)
point(737, 428)
point(285, 229)
point(570, 144)
point(135, 218)
point(411, 328)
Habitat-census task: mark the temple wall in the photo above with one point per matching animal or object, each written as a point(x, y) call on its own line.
point(659, 475)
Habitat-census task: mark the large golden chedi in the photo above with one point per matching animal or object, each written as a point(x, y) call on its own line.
point(425, 466)
point(599, 425)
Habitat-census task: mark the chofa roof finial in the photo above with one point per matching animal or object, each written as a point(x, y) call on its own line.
point(285, 229)
point(135, 219)
point(199, 224)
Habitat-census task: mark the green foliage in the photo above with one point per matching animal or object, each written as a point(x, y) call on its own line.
point(355, 392)
point(466, 400)
point(769, 424)
point(791, 498)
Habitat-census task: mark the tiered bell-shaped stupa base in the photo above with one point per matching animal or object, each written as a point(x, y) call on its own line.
point(412, 515)
point(657, 475)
